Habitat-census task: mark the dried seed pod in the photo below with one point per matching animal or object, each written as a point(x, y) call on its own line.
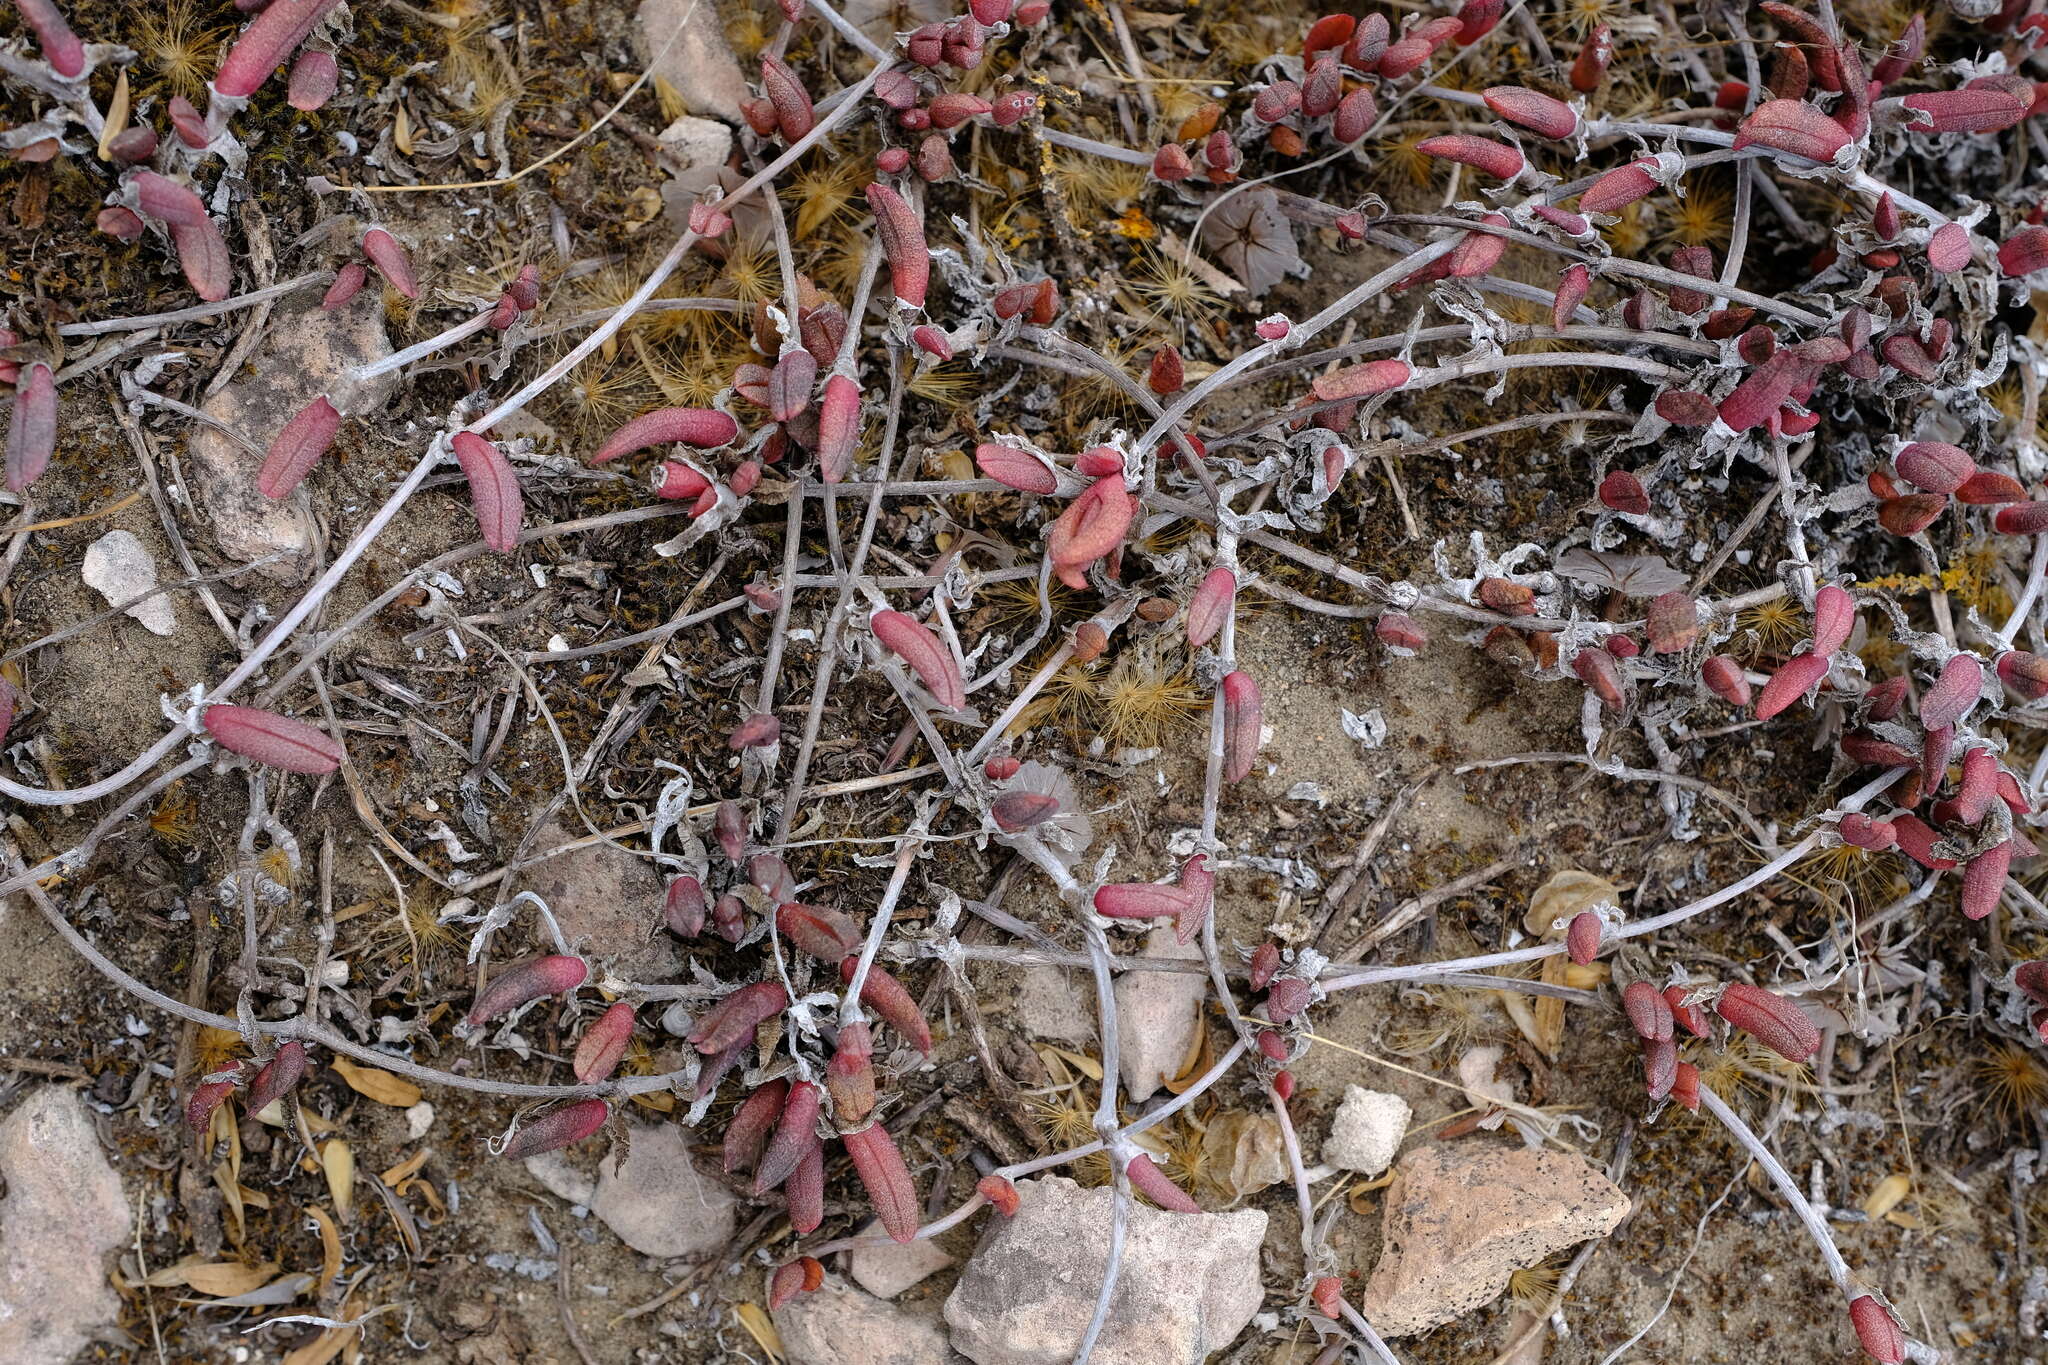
point(1355, 116)
point(1624, 492)
point(32, 428)
point(928, 657)
point(603, 1044)
point(881, 1169)
point(818, 930)
point(1953, 693)
point(1211, 606)
point(1794, 679)
point(795, 1134)
point(901, 229)
point(554, 974)
point(1015, 812)
point(801, 1276)
point(392, 262)
point(746, 1135)
point(1672, 623)
point(1241, 725)
point(558, 1127)
point(1649, 1013)
point(273, 740)
point(1582, 938)
point(493, 490)
point(733, 1019)
point(1148, 1180)
point(895, 1006)
point(1000, 1194)
point(1776, 1022)
point(278, 1077)
point(850, 1075)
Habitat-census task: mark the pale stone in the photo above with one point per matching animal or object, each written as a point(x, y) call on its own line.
point(886, 1271)
point(657, 1202)
point(607, 902)
point(1158, 1016)
point(305, 353)
point(64, 1214)
point(686, 47)
point(118, 566)
point(837, 1324)
point(562, 1178)
point(1366, 1131)
point(1052, 1006)
point(1188, 1284)
point(1461, 1218)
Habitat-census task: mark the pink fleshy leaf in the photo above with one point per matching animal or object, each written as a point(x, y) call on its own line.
point(273, 740)
point(1242, 712)
point(554, 974)
point(704, 428)
point(392, 261)
point(558, 1127)
point(493, 490)
point(926, 654)
point(32, 428)
point(603, 1044)
point(264, 45)
point(881, 1169)
point(297, 448)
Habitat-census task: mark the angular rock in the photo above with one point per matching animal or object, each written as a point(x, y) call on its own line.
point(1157, 1016)
point(686, 47)
point(608, 903)
point(1461, 1218)
point(63, 1214)
point(881, 20)
point(838, 1325)
point(1189, 1283)
point(1366, 1131)
point(657, 1202)
point(559, 1173)
point(117, 566)
point(305, 353)
point(1052, 1006)
point(886, 1271)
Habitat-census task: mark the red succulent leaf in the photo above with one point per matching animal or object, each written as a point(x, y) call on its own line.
point(894, 1005)
point(704, 428)
point(315, 75)
point(881, 1169)
point(1544, 115)
point(1242, 711)
point(1948, 249)
point(348, 282)
point(1793, 680)
point(1000, 1193)
point(603, 1044)
point(805, 1190)
point(795, 1134)
point(901, 230)
point(297, 448)
point(493, 490)
point(1983, 110)
point(927, 655)
point(794, 115)
point(1361, 381)
point(32, 428)
point(1016, 812)
point(1582, 937)
point(1660, 1066)
point(1834, 617)
point(1792, 126)
point(1984, 880)
point(746, 1134)
point(1571, 292)
point(683, 908)
point(555, 974)
point(278, 1077)
point(1777, 1023)
point(61, 48)
point(1689, 1017)
point(818, 930)
point(274, 35)
point(1148, 1180)
point(1953, 693)
point(204, 1099)
point(1619, 188)
point(733, 1019)
point(558, 1127)
point(801, 1276)
point(1877, 1327)
point(1092, 525)
point(1210, 606)
point(392, 261)
point(1649, 1013)
point(1483, 154)
point(273, 740)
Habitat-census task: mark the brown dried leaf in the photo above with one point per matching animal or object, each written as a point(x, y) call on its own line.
point(377, 1084)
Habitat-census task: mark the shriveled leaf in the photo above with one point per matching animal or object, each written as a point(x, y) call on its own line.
point(377, 1084)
